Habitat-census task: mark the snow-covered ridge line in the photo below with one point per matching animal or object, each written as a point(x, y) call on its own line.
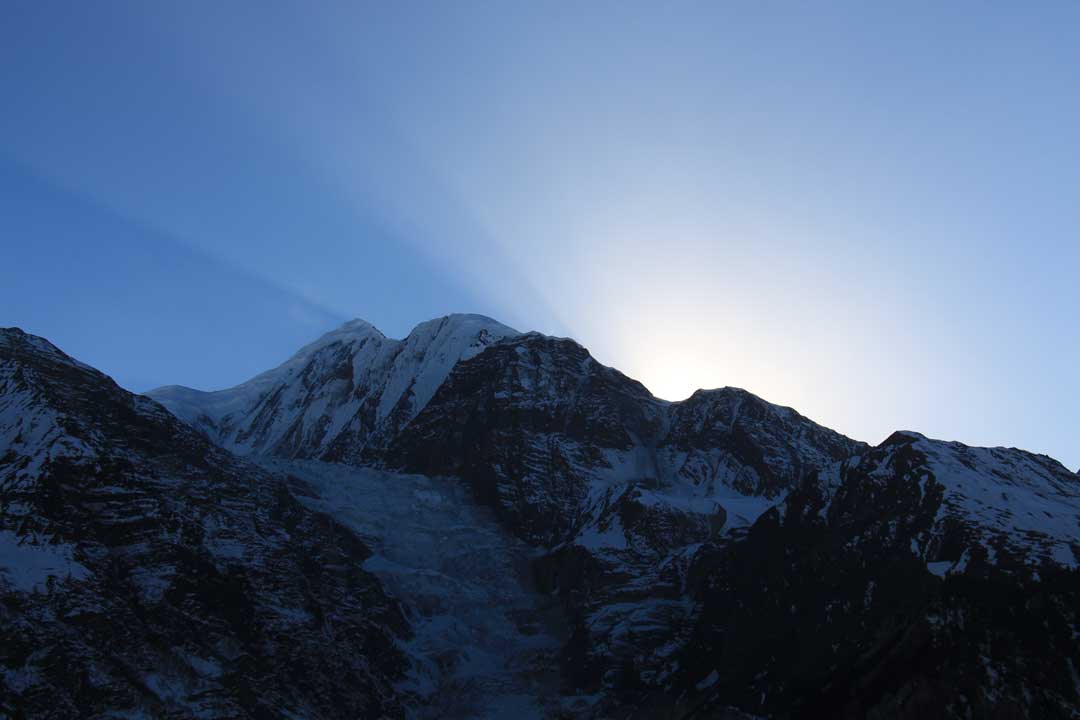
point(1031, 502)
point(389, 380)
point(1009, 507)
point(956, 444)
point(353, 392)
point(349, 387)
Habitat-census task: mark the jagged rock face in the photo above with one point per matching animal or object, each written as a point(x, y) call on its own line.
point(735, 438)
point(894, 588)
point(145, 572)
point(1008, 507)
point(527, 424)
point(553, 439)
point(618, 486)
point(350, 389)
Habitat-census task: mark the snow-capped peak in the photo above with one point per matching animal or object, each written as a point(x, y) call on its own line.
point(432, 349)
point(354, 330)
point(345, 388)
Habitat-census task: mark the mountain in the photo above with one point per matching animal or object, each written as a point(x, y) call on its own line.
point(551, 438)
point(998, 506)
point(146, 573)
point(923, 579)
point(721, 556)
point(616, 486)
point(351, 388)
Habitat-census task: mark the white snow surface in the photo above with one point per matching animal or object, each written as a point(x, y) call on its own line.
point(320, 391)
point(27, 566)
point(484, 644)
point(1030, 502)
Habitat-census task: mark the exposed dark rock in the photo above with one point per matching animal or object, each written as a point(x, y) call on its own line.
point(157, 575)
point(827, 608)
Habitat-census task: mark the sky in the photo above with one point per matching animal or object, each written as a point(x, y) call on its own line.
point(871, 214)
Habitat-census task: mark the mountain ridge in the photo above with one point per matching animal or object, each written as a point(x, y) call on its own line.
point(173, 396)
point(352, 381)
point(710, 557)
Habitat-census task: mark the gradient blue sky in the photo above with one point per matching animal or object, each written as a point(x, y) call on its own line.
point(870, 214)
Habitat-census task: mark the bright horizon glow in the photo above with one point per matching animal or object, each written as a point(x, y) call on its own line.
point(867, 214)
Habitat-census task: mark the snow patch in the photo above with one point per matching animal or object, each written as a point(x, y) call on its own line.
point(27, 566)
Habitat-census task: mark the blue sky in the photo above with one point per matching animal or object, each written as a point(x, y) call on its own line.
point(869, 214)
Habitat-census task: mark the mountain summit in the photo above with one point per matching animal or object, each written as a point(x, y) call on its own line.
point(350, 388)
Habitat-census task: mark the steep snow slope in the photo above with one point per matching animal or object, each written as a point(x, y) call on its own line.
point(348, 389)
point(146, 573)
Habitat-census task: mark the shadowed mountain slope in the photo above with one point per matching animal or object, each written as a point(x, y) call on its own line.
point(145, 572)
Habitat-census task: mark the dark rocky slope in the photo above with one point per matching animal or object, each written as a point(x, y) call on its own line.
point(145, 572)
point(551, 437)
point(879, 594)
